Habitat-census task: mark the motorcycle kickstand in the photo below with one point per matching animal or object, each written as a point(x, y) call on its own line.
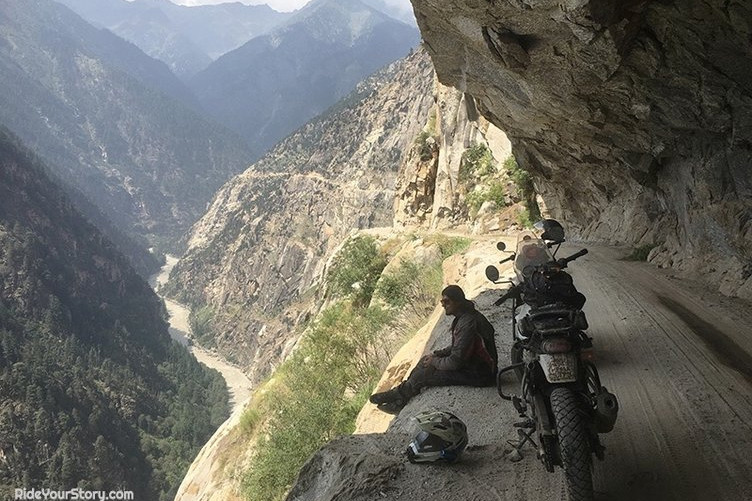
point(524, 437)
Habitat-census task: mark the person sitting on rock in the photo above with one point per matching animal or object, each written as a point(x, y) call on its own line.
point(469, 361)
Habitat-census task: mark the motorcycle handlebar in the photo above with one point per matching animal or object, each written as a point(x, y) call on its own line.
point(563, 261)
point(507, 259)
point(515, 290)
point(510, 293)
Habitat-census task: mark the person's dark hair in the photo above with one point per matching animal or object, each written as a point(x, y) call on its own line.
point(457, 295)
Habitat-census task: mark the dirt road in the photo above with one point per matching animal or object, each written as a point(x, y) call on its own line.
point(678, 358)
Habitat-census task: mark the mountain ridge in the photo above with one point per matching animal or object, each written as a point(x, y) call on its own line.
point(186, 38)
point(309, 63)
point(149, 161)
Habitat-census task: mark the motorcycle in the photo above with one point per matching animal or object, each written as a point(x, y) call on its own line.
point(562, 403)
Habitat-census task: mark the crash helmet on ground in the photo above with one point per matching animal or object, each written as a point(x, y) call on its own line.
point(441, 436)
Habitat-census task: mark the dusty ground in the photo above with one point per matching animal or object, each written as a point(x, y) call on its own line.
point(677, 356)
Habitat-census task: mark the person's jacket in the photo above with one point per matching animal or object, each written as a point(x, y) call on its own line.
point(473, 346)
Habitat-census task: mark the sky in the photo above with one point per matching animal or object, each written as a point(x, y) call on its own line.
point(281, 5)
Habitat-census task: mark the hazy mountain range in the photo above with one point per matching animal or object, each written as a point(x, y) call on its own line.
point(112, 121)
point(187, 39)
point(275, 83)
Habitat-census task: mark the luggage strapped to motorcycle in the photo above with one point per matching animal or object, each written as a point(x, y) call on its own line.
point(555, 319)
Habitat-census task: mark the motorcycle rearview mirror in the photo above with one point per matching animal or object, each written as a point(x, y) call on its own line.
point(492, 273)
point(501, 246)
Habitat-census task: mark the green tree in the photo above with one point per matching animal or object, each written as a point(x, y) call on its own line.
point(356, 269)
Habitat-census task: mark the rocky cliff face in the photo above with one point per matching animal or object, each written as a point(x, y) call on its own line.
point(633, 116)
point(428, 187)
point(111, 121)
point(270, 231)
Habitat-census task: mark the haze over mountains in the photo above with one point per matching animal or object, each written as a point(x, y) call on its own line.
point(273, 84)
point(111, 120)
point(187, 39)
point(107, 152)
point(120, 127)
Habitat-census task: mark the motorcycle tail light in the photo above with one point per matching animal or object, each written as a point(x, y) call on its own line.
point(557, 346)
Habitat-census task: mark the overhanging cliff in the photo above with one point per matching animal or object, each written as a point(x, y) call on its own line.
point(634, 117)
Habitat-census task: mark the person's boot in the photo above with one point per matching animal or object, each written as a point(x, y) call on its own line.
point(391, 401)
point(386, 397)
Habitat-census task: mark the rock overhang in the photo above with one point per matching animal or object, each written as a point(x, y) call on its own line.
point(634, 117)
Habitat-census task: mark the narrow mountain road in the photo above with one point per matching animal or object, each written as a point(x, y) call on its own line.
point(676, 355)
point(679, 359)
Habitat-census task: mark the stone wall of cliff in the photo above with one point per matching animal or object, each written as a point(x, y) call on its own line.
point(633, 116)
point(429, 191)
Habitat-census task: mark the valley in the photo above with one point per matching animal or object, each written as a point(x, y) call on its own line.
point(238, 384)
point(314, 178)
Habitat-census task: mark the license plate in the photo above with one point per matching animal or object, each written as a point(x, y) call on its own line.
point(559, 367)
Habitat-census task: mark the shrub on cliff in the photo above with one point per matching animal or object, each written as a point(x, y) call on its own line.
point(317, 394)
point(524, 183)
point(356, 269)
point(480, 180)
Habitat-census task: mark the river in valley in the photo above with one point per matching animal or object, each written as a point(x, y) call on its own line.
point(238, 384)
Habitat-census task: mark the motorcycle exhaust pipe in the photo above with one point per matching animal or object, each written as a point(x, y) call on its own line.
point(606, 411)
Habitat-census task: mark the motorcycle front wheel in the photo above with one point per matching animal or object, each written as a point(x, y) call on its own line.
point(574, 443)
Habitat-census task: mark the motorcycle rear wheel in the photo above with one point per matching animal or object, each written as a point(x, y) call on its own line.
point(574, 443)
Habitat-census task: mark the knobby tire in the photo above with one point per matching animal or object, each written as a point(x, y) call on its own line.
point(574, 443)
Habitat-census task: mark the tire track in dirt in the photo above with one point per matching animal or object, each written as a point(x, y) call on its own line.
point(679, 413)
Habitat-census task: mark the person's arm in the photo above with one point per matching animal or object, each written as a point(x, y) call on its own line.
point(462, 345)
point(444, 352)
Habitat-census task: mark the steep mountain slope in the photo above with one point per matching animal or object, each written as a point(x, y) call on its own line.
point(275, 83)
point(109, 119)
point(135, 249)
point(269, 232)
point(402, 272)
point(187, 39)
point(633, 116)
point(398, 10)
point(93, 393)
